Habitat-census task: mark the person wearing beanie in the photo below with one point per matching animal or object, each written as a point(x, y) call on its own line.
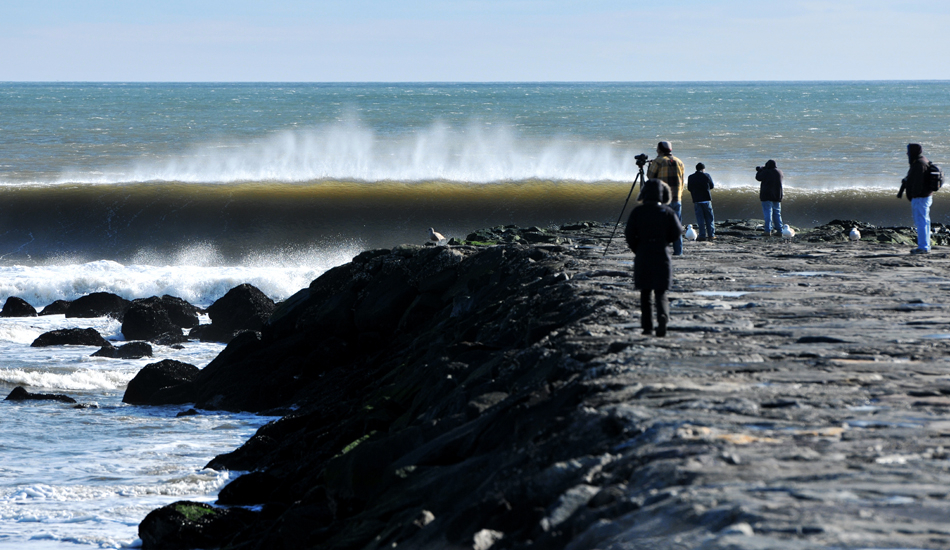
point(698, 185)
point(770, 193)
point(669, 169)
point(651, 228)
point(919, 194)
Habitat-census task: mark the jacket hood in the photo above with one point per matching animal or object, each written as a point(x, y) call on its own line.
point(654, 190)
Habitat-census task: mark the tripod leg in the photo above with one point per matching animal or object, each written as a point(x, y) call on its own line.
point(632, 187)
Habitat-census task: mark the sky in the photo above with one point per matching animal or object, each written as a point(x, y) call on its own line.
point(472, 40)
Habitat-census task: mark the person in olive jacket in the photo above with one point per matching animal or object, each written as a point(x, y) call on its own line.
point(651, 229)
point(770, 193)
point(919, 194)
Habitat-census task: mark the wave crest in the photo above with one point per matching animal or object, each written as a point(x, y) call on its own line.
point(477, 153)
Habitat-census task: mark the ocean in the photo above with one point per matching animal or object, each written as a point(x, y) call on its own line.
point(190, 189)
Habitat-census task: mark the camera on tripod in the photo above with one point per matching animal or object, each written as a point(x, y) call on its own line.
point(642, 159)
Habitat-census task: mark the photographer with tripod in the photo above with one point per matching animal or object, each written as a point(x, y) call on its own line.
point(669, 169)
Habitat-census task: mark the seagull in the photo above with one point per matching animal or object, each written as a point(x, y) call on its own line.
point(690, 232)
point(435, 236)
point(787, 231)
point(855, 235)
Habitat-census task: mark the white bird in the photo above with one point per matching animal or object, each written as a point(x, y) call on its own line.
point(435, 236)
point(855, 235)
point(787, 231)
point(690, 232)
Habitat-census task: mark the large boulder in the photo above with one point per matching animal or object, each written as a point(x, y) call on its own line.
point(98, 304)
point(184, 525)
point(70, 337)
point(132, 350)
point(20, 394)
point(155, 377)
point(181, 313)
point(148, 319)
point(17, 307)
point(58, 307)
point(243, 308)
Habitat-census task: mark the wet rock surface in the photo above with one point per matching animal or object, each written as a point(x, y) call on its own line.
point(501, 396)
point(19, 393)
point(154, 378)
point(17, 307)
point(132, 350)
point(70, 337)
point(243, 308)
point(98, 304)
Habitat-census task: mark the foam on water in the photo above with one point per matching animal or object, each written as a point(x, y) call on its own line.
point(196, 276)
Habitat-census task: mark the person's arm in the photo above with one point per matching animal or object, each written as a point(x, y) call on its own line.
point(630, 233)
point(711, 184)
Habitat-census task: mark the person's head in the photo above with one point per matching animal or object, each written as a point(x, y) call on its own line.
point(770, 164)
point(914, 150)
point(664, 148)
point(654, 190)
point(700, 167)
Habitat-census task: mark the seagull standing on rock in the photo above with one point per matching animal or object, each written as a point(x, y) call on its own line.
point(691, 233)
point(435, 236)
point(855, 235)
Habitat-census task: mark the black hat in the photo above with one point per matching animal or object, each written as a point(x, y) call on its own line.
point(700, 166)
point(770, 164)
point(665, 147)
point(914, 149)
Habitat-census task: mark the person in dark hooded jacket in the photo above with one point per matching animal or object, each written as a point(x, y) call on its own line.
point(651, 229)
point(770, 193)
point(919, 194)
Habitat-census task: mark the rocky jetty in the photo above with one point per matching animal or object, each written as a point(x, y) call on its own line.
point(497, 393)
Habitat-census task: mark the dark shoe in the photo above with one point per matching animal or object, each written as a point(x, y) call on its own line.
point(713, 238)
point(647, 331)
point(661, 332)
point(700, 239)
point(919, 251)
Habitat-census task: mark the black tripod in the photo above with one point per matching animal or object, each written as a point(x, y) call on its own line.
point(640, 178)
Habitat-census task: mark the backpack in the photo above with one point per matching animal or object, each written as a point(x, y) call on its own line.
point(934, 177)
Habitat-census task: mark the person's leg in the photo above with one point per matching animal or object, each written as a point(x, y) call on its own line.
point(777, 216)
point(920, 207)
point(646, 311)
point(662, 312)
point(700, 219)
point(678, 243)
point(767, 215)
point(709, 219)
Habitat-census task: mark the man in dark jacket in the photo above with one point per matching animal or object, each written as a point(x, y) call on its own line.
point(919, 195)
point(699, 184)
point(770, 193)
point(651, 229)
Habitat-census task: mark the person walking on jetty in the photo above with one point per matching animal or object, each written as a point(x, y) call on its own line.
point(699, 184)
point(770, 193)
point(919, 194)
point(651, 228)
point(669, 169)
